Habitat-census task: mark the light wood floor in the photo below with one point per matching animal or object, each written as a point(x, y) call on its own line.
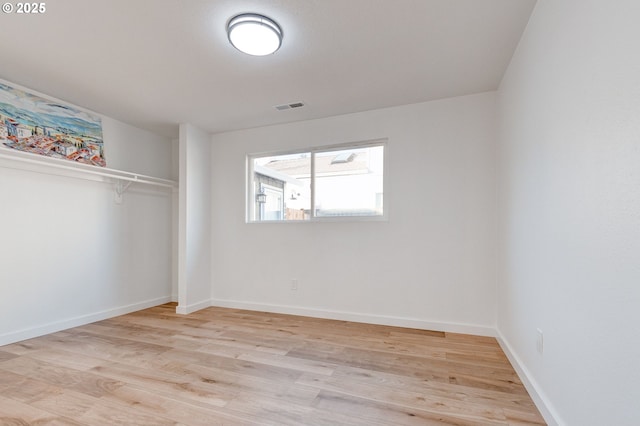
point(232, 367)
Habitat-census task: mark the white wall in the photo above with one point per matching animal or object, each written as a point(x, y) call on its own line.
point(135, 150)
point(175, 220)
point(570, 150)
point(431, 265)
point(194, 247)
point(69, 255)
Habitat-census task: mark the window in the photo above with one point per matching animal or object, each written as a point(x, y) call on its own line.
point(338, 181)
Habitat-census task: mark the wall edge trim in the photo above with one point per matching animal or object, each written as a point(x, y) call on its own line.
point(536, 393)
point(478, 330)
point(53, 327)
point(188, 309)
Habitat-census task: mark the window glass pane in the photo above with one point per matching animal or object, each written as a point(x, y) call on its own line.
point(281, 186)
point(349, 182)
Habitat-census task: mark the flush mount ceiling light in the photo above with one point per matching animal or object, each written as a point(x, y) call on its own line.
point(254, 34)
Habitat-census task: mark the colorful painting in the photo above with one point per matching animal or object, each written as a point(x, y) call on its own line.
point(47, 127)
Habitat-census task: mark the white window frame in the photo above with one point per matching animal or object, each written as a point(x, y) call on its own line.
point(250, 187)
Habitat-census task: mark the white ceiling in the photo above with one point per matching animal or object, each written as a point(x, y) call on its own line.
point(157, 63)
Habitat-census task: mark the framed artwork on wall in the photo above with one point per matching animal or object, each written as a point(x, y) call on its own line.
point(34, 123)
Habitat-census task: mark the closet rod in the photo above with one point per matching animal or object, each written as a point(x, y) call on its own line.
point(93, 170)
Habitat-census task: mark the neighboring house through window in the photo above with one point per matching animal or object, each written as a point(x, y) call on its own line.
point(339, 181)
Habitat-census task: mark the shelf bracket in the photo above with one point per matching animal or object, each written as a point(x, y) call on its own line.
point(119, 189)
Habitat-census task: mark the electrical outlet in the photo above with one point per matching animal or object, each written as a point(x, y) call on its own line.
point(294, 284)
point(539, 341)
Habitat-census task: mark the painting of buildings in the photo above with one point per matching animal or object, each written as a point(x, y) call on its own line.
point(31, 123)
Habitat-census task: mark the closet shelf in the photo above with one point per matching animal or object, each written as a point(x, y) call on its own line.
point(38, 163)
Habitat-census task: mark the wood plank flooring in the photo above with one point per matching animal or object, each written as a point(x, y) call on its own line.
point(232, 367)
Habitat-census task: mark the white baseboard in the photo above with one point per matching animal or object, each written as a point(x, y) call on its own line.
point(185, 310)
point(541, 400)
point(41, 330)
point(477, 330)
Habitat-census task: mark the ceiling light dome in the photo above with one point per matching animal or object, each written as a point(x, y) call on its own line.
point(254, 34)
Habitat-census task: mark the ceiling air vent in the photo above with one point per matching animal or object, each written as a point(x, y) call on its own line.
point(289, 106)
